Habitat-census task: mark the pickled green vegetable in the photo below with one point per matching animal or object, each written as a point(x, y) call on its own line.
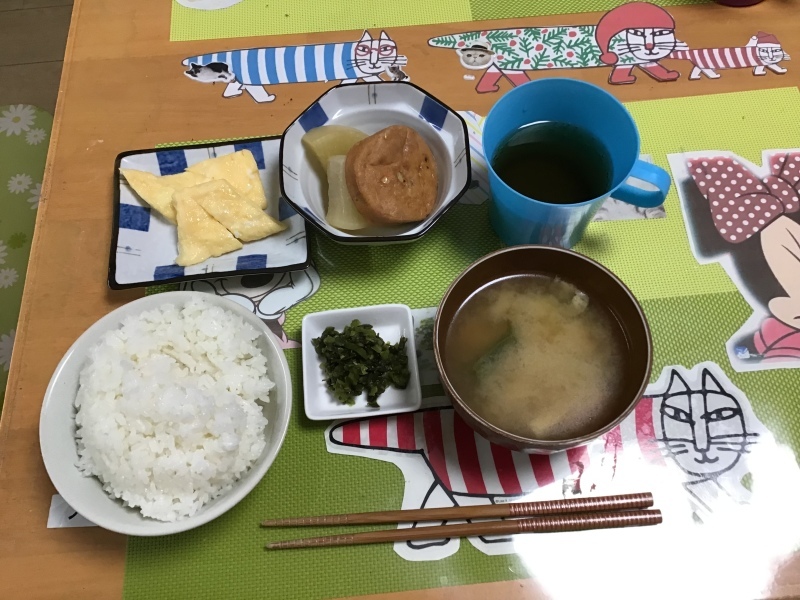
point(358, 360)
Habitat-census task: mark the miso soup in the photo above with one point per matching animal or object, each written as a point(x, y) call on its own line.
point(536, 357)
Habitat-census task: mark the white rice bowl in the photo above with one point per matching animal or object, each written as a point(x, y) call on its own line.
point(169, 407)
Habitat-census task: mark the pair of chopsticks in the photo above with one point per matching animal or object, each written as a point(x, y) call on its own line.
point(574, 514)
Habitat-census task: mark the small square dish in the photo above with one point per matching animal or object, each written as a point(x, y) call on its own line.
point(144, 244)
point(370, 108)
point(391, 322)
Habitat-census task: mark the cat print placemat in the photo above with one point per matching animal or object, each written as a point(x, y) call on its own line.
point(624, 50)
point(716, 444)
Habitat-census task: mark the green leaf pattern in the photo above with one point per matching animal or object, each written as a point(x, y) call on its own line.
point(535, 48)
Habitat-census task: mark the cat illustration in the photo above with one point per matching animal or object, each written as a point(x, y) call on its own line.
point(251, 69)
point(762, 52)
point(268, 296)
point(476, 57)
point(215, 72)
point(694, 423)
point(461, 468)
point(634, 35)
point(704, 429)
point(511, 53)
point(649, 36)
point(453, 475)
point(395, 73)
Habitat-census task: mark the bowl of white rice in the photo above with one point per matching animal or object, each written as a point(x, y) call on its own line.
point(165, 413)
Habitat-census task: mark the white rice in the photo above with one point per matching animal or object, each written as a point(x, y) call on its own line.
point(168, 411)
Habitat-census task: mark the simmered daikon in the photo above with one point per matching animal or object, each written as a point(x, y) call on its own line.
point(342, 213)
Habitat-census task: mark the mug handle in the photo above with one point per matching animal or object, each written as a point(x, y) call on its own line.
point(648, 173)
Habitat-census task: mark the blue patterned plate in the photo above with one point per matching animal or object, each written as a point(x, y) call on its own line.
point(144, 244)
point(371, 107)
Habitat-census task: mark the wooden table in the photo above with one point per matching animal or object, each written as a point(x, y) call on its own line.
point(120, 90)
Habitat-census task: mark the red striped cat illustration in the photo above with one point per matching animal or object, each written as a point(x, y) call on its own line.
point(761, 53)
point(693, 424)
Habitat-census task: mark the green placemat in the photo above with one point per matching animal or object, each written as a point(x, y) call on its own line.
point(24, 136)
point(281, 17)
point(692, 309)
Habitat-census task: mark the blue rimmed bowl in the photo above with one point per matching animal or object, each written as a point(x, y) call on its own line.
point(371, 107)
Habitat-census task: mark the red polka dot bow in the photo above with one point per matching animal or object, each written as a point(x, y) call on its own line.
point(742, 204)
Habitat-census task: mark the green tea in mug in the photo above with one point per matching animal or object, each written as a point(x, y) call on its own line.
point(554, 162)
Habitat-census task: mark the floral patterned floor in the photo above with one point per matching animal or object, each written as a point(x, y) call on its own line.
point(24, 137)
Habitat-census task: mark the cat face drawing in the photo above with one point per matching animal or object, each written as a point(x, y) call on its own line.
point(215, 72)
point(703, 429)
point(475, 57)
point(649, 44)
point(374, 56)
point(770, 55)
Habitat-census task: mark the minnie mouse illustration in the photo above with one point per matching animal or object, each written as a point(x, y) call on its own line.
point(756, 222)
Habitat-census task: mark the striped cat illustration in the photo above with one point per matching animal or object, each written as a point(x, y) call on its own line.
point(762, 52)
point(251, 69)
point(461, 468)
point(634, 35)
point(693, 426)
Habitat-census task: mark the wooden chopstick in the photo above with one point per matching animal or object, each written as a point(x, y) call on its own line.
point(487, 511)
point(551, 524)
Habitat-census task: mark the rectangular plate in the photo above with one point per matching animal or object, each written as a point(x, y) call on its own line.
point(144, 245)
point(391, 322)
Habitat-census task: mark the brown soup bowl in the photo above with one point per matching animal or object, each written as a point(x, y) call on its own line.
point(599, 284)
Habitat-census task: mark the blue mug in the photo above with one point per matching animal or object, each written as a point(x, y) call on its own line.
point(518, 219)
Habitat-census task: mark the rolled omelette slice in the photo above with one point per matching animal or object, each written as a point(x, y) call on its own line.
point(240, 170)
point(157, 191)
point(240, 217)
point(200, 237)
